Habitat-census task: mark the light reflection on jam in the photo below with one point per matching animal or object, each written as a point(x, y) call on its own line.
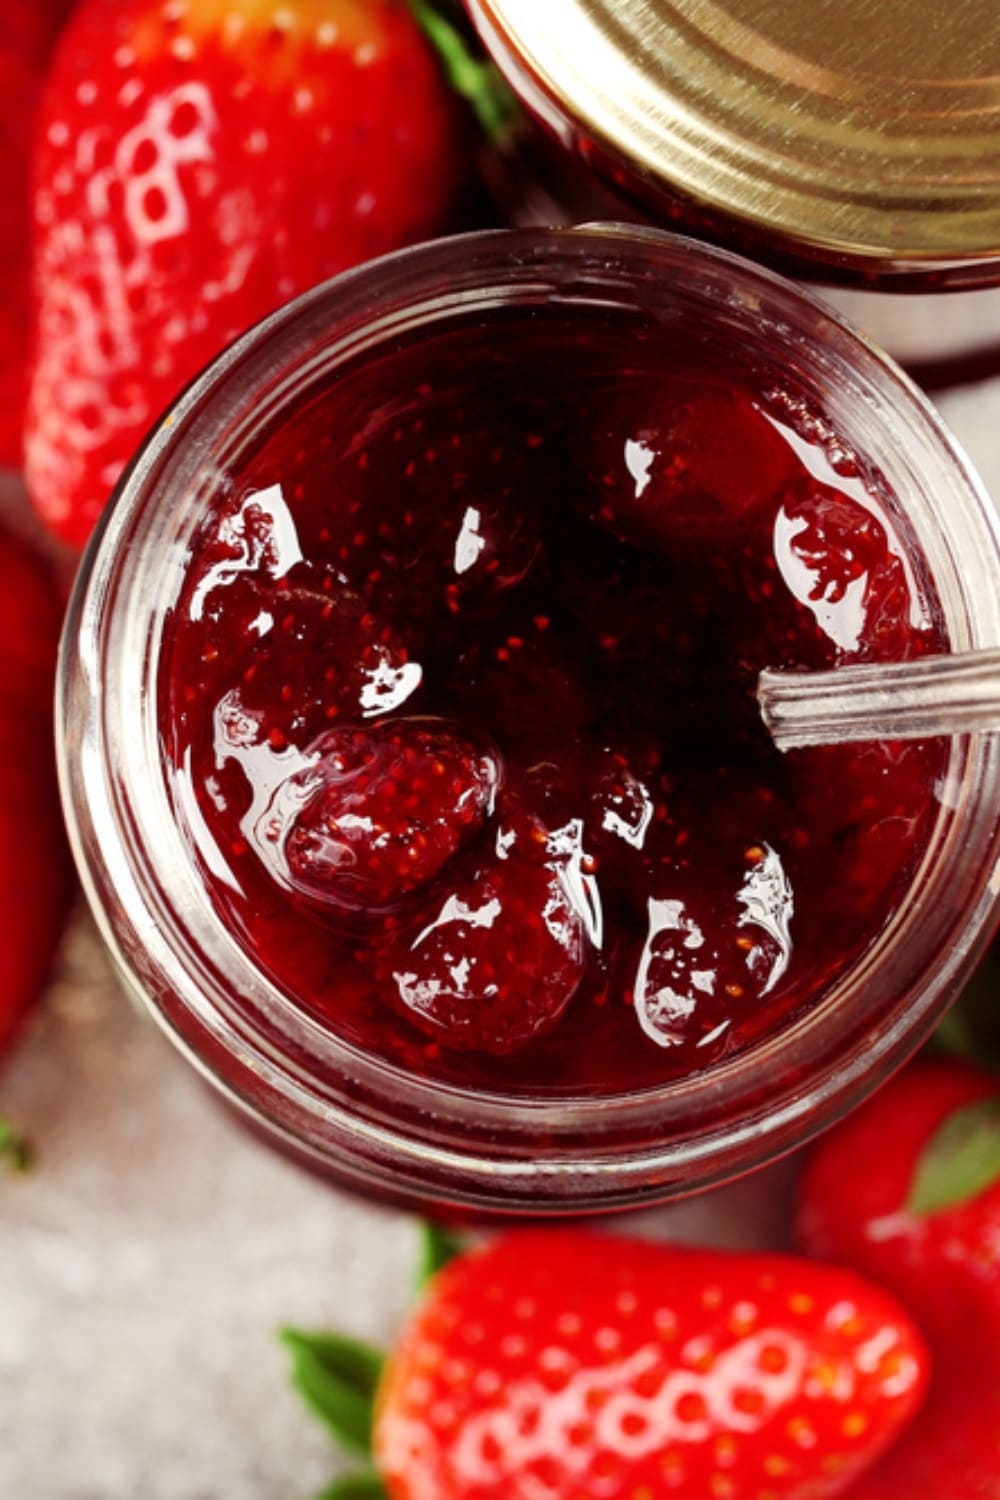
point(458, 705)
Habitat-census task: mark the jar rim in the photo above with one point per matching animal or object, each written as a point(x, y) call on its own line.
point(171, 945)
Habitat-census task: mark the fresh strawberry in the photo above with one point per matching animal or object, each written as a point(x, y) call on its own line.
point(27, 31)
point(506, 951)
point(907, 1191)
point(200, 162)
point(860, 1198)
point(953, 1453)
point(19, 87)
point(35, 879)
point(383, 809)
point(28, 28)
point(570, 1366)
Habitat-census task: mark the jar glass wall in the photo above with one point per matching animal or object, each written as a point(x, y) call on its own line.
point(367, 1121)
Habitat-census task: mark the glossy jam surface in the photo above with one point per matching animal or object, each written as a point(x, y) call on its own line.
point(458, 715)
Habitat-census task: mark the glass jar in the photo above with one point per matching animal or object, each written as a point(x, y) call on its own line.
point(856, 148)
point(368, 1123)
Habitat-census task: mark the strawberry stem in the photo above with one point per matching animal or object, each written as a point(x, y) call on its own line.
point(14, 1148)
point(438, 1246)
point(337, 1378)
point(473, 78)
point(366, 1486)
point(954, 1036)
point(971, 1029)
point(961, 1161)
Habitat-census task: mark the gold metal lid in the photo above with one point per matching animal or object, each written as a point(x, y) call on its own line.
point(865, 129)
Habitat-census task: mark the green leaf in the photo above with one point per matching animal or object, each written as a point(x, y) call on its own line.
point(18, 1152)
point(954, 1037)
point(473, 78)
point(337, 1378)
point(438, 1246)
point(971, 1029)
point(961, 1161)
point(355, 1487)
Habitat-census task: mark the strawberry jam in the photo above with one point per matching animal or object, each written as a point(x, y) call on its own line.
point(458, 704)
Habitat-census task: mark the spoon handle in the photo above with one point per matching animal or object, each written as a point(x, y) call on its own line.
point(904, 700)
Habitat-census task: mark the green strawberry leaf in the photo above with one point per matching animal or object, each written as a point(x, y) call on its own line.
point(337, 1378)
point(961, 1161)
point(355, 1487)
point(18, 1152)
point(953, 1035)
point(971, 1029)
point(438, 1246)
point(473, 78)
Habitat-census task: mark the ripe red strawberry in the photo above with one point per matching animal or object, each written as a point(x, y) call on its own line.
point(35, 876)
point(200, 162)
point(907, 1191)
point(566, 1366)
point(19, 86)
point(27, 31)
point(383, 810)
point(28, 28)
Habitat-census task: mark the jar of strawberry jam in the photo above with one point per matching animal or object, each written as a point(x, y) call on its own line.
point(855, 144)
point(409, 736)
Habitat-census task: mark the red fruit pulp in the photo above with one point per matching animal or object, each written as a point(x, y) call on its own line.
point(561, 588)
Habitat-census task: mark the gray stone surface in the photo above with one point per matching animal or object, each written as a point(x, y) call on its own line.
point(147, 1261)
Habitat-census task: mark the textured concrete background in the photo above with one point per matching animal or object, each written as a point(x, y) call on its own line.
point(147, 1262)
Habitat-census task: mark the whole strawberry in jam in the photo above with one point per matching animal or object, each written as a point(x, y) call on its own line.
point(907, 1191)
point(691, 470)
point(431, 512)
point(201, 162)
point(381, 811)
point(553, 1365)
point(312, 649)
point(682, 457)
point(503, 956)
